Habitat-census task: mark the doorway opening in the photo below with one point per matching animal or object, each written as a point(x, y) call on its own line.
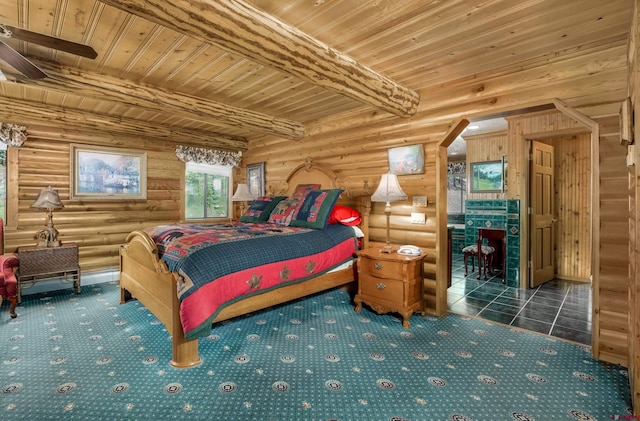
point(566, 286)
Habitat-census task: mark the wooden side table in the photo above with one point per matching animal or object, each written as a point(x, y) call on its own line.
point(37, 264)
point(390, 282)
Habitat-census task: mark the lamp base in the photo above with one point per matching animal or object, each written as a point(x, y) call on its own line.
point(49, 244)
point(48, 237)
point(387, 249)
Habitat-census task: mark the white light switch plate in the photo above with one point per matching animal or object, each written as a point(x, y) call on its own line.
point(418, 218)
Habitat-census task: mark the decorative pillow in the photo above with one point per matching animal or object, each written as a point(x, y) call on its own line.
point(314, 208)
point(344, 215)
point(302, 189)
point(283, 211)
point(261, 208)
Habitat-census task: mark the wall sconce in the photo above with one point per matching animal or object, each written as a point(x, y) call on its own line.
point(388, 191)
point(242, 195)
point(49, 200)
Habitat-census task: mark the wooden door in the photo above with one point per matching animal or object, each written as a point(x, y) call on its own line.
point(542, 251)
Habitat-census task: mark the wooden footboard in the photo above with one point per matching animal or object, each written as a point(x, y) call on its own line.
point(145, 277)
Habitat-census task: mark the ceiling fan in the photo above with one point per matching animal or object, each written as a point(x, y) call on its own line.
point(26, 67)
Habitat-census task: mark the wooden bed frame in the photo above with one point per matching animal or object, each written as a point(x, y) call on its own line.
point(145, 277)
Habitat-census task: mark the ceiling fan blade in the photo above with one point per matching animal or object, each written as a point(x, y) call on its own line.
point(18, 62)
point(51, 42)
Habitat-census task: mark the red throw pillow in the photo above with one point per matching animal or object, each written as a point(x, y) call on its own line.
point(344, 215)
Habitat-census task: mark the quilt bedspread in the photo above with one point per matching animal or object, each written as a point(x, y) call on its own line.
point(219, 264)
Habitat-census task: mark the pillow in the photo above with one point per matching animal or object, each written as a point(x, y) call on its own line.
point(261, 208)
point(302, 189)
point(358, 231)
point(283, 211)
point(314, 208)
point(344, 215)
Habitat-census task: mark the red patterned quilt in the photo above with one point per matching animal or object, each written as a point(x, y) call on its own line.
point(219, 264)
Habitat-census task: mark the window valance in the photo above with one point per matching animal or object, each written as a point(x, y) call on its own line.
point(208, 156)
point(12, 134)
point(457, 167)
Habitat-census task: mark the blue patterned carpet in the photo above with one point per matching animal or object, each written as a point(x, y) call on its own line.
point(85, 357)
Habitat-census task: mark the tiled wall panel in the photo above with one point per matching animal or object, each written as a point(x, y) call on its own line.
point(497, 214)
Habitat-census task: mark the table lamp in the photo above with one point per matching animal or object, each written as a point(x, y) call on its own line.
point(243, 194)
point(49, 200)
point(388, 191)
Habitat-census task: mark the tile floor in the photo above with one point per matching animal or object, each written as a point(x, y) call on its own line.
point(558, 308)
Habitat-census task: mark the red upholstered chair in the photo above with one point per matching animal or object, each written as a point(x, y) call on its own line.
point(8, 282)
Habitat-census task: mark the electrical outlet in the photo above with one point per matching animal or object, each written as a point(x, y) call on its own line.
point(418, 218)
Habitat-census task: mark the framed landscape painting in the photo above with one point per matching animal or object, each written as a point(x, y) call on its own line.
point(405, 160)
point(487, 177)
point(99, 173)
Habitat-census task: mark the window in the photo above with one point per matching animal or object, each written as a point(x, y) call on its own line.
point(457, 193)
point(207, 191)
point(3, 181)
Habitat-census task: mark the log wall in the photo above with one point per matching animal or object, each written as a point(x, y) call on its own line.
point(98, 227)
point(611, 302)
point(633, 173)
point(356, 147)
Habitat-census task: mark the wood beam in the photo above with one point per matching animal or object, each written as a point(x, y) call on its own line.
point(26, 112)
point(155, 99)
point(243, 29)
point(83, 135)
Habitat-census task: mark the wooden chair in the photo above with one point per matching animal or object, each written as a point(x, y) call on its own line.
point(483, 252)
point(496, 239)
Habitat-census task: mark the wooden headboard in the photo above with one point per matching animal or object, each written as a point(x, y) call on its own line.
point(313, 173)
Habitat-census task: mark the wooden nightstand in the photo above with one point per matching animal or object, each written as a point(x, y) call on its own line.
point(38, 264)
point(390, 282)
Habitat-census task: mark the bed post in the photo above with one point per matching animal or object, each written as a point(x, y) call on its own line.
point(366, 210)
point(365, 204)
point(184, 352)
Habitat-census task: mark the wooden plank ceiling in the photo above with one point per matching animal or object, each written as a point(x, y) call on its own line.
point(220, 72)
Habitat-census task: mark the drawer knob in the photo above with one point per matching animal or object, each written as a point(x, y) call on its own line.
point(378, 266)
point(380, 285)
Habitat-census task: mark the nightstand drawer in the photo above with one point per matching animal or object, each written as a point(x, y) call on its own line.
point(390, 290)
point(380, 268)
